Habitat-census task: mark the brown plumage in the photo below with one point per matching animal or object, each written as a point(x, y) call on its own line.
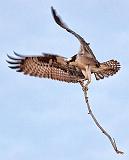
point(77, 68)
point(46, 66)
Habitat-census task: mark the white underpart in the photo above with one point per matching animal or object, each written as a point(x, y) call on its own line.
point(69, 59)
point(87, 73)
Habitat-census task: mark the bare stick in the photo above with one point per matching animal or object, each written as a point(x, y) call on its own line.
point(112, 140)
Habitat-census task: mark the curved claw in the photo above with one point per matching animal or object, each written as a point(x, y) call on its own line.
point(85, 88)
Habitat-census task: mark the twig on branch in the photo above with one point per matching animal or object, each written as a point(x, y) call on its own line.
point(112, 140)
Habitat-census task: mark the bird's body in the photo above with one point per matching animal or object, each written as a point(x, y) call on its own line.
point(76, 69)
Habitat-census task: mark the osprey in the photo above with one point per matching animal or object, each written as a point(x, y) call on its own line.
point(76, 69)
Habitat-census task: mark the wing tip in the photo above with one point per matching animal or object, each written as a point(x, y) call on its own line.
point(14, 67)
point(17, 54)
point(58, 19)
point(53, 11)
point(15, 62)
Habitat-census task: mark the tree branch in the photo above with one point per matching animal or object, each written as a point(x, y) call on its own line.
point(112, 140)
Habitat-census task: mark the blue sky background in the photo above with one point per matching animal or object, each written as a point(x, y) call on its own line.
point(45, 119)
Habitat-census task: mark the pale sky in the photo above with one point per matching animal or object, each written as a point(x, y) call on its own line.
point(44, 119)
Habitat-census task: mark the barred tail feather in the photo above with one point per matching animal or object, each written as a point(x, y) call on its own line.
point(107, 69)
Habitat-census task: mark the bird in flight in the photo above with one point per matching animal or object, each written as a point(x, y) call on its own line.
point(78, 68)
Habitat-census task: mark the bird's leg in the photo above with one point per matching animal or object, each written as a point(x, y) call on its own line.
point(87, 75)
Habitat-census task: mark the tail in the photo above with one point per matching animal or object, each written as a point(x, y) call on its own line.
point(107, 69)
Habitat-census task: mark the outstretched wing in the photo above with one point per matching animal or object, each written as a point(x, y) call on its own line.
point(107, 69)
point(85, 49)
point(46, 66)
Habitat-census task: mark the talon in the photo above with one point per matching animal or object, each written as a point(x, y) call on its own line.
point(85, 88)
point(81, 82)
